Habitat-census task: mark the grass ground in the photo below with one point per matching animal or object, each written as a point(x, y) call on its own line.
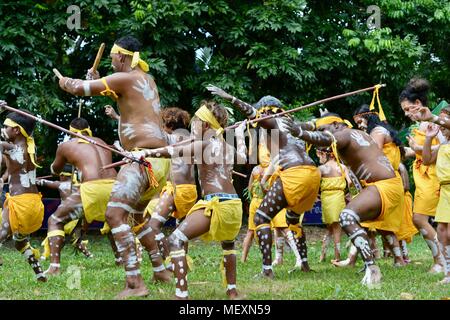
point(99, 278)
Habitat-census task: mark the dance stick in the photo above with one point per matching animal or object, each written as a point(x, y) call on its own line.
point(45, 177)
point(92, 141)
point(98, 57)
point(57, 73)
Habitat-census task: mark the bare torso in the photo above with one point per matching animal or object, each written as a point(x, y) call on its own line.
point(182, 171)
point(22, 173)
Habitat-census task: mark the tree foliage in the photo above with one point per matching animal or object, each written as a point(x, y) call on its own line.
point(297, 50)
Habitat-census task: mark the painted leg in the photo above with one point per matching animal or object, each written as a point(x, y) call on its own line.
point(303, 250)
point(444, 243)
point(349, 222)
point(373, 243)
point(405, 252)
point(117, 257)
point(279, 247)
point(430, 236)
point(394, 246)
point(23, 246)
point(325, 242)
point(247, 243)
point(336, 232)
point(229, 265)
point(293, 245)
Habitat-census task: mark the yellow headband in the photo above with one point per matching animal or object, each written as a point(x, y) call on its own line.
point(31, 147)
point(136, 59)
point(372, 103)
point(330, 119)
point(207, 116)
point(262, 110)
point(66, 174)
point(81, 131)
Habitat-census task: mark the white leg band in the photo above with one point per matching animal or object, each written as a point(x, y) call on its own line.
point(178, 254)
point(357, 233)
point(263, 215)
point(159, 269)
point(231, 286)
point(55, 265)
point(121, 228)
point(159, 236)
point(159, 218)
point(181, 294)
point(269, 267)
point(123, 206)
point(180, 235)
point(133, 273)
point(144, 232)
point(40, 275)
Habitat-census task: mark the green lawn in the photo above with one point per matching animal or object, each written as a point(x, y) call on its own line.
point(101, 279)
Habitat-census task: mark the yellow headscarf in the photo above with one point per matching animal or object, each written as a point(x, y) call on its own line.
point(372, 103)
point(206, 115)
point(31, 147)
point(330, 119)
point(136, 59)
point(81, 131)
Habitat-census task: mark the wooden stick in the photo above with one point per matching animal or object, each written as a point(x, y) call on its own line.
point(80, 107)
point(239, 174)
point(92, 141)
point(276, 115)
point(98, 57)
point(45, 177)
point(57, 73)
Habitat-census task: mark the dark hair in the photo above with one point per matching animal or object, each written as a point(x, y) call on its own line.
point(330, 114)
point(26, 123)
point(219, 112)
point(373, 121)
point(79, 123)
point(416, 89)
point(67, 168)
point(129, 43)
point(268, 101)
point(175, 118)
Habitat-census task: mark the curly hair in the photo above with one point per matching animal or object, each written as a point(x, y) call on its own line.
point(175, 118)
point(416, 89)
point(218, 111)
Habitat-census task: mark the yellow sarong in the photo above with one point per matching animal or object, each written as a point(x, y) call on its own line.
point(185, 196)
point(407, 229)
point(279, 221)
point(443, 174)
point(95, 195)
point(254, 205)
point(392, 152)
point(300, 186)
point(426, 195)
point(26, 212)
point(160, 168)
point(392, 205)
point(332, 198)
point(226, 218)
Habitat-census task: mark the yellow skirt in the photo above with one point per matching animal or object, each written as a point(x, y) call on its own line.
point(300, 186)
point(226, 218)
point(443, 208)
point(185, 199)
point(333, 202)
point(26, 212)
point(426, 195)
point(392, 205)
point(160, 171)
point(279, 221)
point(95, 195)
point(407, 228)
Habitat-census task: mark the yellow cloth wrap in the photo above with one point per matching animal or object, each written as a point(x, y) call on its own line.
point(108, 91)
point(296, 228)
point(31, 146)
point(204, 114)
point(68, 227)
point(372, 103)
point(443, 174)
point(279, 221)
point(95, 196)
point(254, 205)
point(87, 130)
point(426, 195)
point(407, 228)
point(226, 218)
point(222, 266)
point(157, 177)
point(36, 252)
point(392, 152)
point(136, 57)
point(332, 197)
point(105, 229)
point(331, 119)
point(151, 207)
point(300, 186)
point(185, 199)
point(26, 212)
point(45, 243)
point(262, 225)
point(392, 204)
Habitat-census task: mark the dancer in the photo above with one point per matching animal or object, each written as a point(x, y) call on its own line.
point(23, 210)
point(137, 97)
point(380, 202)
point(295, 188)
point(414, 97)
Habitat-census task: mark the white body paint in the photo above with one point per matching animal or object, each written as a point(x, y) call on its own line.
point(16, 154)
point(359, 139)
point(28, 179)
point(145, 88)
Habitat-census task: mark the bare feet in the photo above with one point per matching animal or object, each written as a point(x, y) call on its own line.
point(436, 268)
point(42, 278)
point(162, 276)
point(267, 274)
point(342, 263)
point(180, 298)
point(53, 271)
point(234, 295)
point(372, 278)
point(377, 254)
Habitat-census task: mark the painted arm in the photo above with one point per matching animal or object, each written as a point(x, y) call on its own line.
point(241, 154)
point(428, 155)
point(90, 88)
point(6, 146)
point(60, 160)
point(48, 183)
point(245, 107)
